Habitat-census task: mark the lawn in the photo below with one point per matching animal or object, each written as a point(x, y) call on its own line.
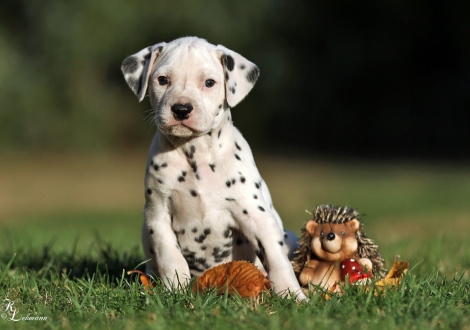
point(70, 226)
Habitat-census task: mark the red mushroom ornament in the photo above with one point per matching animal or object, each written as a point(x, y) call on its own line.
point(355, 271)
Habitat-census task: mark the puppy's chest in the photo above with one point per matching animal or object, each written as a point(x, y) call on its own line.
point(198, 181)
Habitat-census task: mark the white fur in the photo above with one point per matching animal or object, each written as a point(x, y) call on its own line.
point(206, 202)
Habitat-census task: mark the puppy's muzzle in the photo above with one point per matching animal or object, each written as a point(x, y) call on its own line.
point(181, 111)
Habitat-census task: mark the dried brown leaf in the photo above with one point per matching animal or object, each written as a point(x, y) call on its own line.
point(236, 277)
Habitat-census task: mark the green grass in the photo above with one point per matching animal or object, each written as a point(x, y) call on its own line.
point(69, 266)
point(93, 292)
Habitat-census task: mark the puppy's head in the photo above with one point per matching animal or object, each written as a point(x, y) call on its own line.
point(190, 83)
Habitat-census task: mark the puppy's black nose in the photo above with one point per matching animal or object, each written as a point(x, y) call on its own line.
point(331, 236)
point(181, 111)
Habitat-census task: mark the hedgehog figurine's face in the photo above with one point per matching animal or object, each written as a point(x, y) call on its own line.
point(333, 242)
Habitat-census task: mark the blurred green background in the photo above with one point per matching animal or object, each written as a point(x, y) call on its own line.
point(358, 103)
point(386, 78)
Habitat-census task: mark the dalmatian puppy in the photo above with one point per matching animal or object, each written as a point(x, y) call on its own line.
point(206, 202)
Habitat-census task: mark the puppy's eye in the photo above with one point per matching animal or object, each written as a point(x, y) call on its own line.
point(209, 83)
point(162, 80)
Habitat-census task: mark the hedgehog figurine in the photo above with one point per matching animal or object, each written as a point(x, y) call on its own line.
point(321, 250)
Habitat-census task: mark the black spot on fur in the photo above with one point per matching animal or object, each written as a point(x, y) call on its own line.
point(226, 253)
point(239, 241)
point(253, 75)
point(229, 244)
point(164, 165)
point(160, 48)
point(193, 150)
point(192, 260)
point(242, 179)
point(160, 181)
point(193, 193)
point(212, 166)
point(281, 243)
point(203, 236)
point(203, 247)
point(218, 135)
point(226, 76)
point(156, 167)
point(234, 181)
point(194, 166)
point(229, 62)
point(238, 147)
point(151, 231)
point(230, 199)
point(192, 266)
point(232, 89)
point(220, 106)
point(260, 251)
point(260, 255)
point(255, 196)
point(149, 191)
point(210, 133)
point(242, 66)
point(237, 157)
point(200, 238)
point(194, 230)
point(219, 255)
point(228, 183)
point(261, 208)
point(152, 251)
point(181, 179)
point(257, 185)
point(227, 233)
point(130, 65)
point(197, 176)
point(245, 212)
point(184, 173)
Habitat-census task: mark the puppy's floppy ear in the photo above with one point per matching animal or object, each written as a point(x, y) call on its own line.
point(137, 68)
point(240, 75)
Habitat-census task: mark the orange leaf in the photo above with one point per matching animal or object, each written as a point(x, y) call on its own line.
point(395, 275)
point(327, 295)
point(237, 277)
point(398, 269)
point(144, 279)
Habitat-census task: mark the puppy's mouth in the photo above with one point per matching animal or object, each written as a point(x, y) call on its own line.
point(181, 128)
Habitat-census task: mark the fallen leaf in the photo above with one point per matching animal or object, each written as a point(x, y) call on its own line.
point(236, 277)
point(144, 279)
point(394, 276)
point(398, 269)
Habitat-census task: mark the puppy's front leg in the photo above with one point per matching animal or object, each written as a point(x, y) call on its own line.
point(267, 239)
point(161, 246)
